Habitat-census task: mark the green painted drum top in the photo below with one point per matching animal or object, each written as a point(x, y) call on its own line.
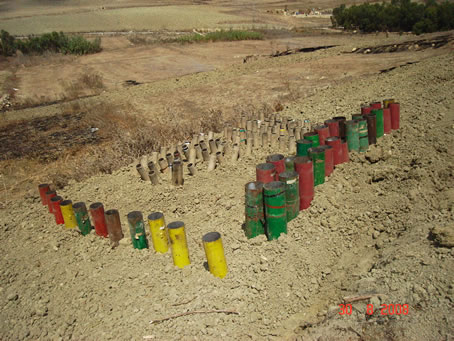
point(255, 219)
point(289, 163)
point(363, 135)
point(302, 147)
point(292, 197)
point(380, 123)
point(313, 137)
point(317, 155)
point(82, 218)
point(137, 230)
point(275, 209)
point(352, 135)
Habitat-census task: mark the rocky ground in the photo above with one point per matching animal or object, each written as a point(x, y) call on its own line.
point(380, 226)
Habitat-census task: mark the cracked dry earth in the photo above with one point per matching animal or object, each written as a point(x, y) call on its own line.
point(380, 226)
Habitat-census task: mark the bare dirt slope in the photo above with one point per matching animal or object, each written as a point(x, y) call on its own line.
point(367, 232)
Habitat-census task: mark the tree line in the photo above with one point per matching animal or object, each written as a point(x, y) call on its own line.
point(396, 16)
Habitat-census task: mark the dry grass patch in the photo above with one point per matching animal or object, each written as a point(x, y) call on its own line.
point(87, 139)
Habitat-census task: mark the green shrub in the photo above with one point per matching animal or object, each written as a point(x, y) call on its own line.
point(230, 35)
point(399, 15)
point(7, 44)
point(54, 42)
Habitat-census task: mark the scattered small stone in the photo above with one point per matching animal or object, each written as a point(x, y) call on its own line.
point(12, 297)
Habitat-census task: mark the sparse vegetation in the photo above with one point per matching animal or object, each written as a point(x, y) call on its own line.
point(67, 138)
point(229, 35)
point(398, 15)
point(88, 83)
point(53, 42)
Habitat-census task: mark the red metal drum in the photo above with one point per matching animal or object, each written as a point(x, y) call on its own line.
point(305, 169)
point(265, 172)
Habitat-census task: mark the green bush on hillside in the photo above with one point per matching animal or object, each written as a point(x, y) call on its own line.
point(54, 42)
point(229, 35)
point(397, 16)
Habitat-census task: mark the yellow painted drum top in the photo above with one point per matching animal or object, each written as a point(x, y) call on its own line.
point(177, 236)
point(158, 232)
point(67, 211)
point(214, 250)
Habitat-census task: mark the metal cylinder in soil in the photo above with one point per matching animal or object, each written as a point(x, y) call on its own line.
point(99, 220)
point(275, 209)
point(335, 142)
point(395, 115)
point(365, 109)
point(387, 102)
point(317, 155)
point(333, 127)
point(137, 230)
point(302, 146)
point(305, 170)
point(345, 155)
point(179, 245)
point(113, 224)
point(375, 105)
point(387, 121)
point(292, 197)
point(255, 218)
point(289, 163)
point(329, 159)
point(214, 252)
point(379, 122)
point(371, 128)
point(363, 134)
point(56, 210)
point(342, 128)
point(278, 161)
point(49, 196)
point(323, 133)
point(67, 211)
point(352, 135)
point(265, 172)
point(82, 218)
point(43, 188)
point(158, 232)
point(313, 137)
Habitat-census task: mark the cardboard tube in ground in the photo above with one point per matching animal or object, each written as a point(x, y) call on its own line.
point(153, 175)
point(235, 152)
point(211, 162)
point(191, 169)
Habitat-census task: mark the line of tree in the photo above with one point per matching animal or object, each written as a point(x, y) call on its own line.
point(396, 16)
point(54, 42)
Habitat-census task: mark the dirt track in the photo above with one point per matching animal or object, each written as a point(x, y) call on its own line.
point(366, 232)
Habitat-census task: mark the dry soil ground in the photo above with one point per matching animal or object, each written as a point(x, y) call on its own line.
point(369, 231)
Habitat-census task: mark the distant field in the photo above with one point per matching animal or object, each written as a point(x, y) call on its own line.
point(140, 18)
